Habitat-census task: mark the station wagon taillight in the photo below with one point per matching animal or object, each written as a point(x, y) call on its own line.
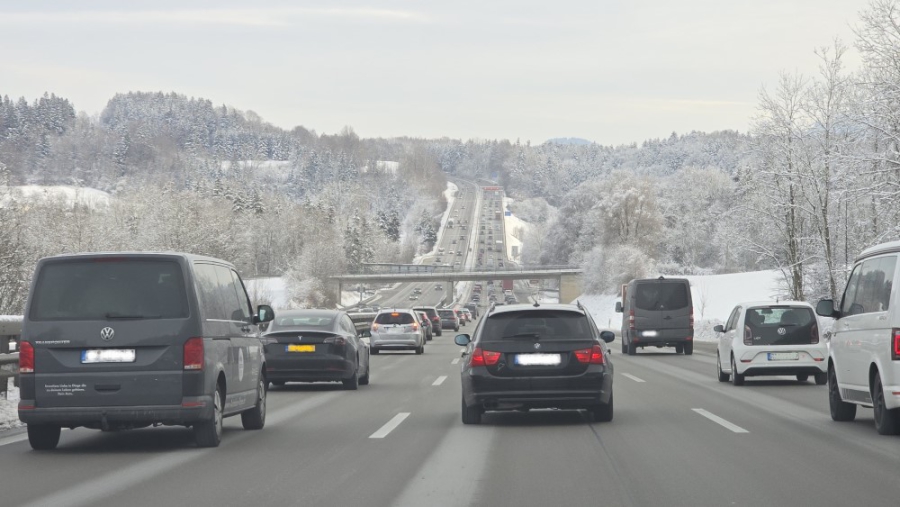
point(895, 346)
point(193, 354)
point(482, 357)
point(26, 358)
point(374, 328)
point(593, 355)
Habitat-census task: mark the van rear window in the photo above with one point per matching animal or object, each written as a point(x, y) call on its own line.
point(658, 296)
point(95, 290)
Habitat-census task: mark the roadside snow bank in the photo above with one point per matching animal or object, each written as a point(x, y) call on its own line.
point(9, 414)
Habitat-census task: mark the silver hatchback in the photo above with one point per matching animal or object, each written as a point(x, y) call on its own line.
point(397, 330)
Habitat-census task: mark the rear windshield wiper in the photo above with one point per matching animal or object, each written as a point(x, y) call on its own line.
point(522, 335)
point(126, 316)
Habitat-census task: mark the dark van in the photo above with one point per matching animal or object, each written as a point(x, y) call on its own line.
point(657, 312)
point(127, 340)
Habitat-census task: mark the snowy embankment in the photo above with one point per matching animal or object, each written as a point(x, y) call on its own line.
point(9, 415)
point(515, 229)
point(714, 297)
point(70, 195)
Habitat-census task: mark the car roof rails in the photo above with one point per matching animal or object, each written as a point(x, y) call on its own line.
point(661, 277)
point(536, 304)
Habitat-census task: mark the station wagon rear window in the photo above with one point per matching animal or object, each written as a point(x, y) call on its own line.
point(541, 325)
point(104, 289)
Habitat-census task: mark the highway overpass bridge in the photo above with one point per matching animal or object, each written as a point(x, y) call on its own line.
point(569, 277)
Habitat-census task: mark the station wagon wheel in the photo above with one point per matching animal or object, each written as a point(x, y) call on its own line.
point(887, 421)
point(43, 437)
point(840, 410)
point(208, 433)
point(604, 411)
point(470, 415)
point(255, 418)
point(679, 349)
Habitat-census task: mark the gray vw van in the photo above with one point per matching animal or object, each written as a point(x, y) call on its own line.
point(657, 312)
point(127, 340)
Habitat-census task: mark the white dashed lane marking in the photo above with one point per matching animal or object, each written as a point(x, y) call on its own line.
point(718, 420)
point(390, 425)
point(455, 361)
point(632, 377)
point(440, 380)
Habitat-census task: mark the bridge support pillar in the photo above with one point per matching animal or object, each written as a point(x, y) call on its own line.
point(569, 288)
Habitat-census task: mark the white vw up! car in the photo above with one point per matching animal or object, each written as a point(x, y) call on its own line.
point(864, 353)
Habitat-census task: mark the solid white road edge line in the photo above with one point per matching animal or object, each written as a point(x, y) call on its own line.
point(632, 377)
point(718, 420)
point(440, 380)
point(390, 425)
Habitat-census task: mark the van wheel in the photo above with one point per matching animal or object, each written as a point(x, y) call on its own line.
point(689, 348)
point(624, 347)
point(43, 437)
point(679, 349)
point(736, 378)
point(821, 379)
point(723, 377)
point(887, 421)
point(632, 349)
point(604, 411)
point(840, 410)
point(470, 415)
point(255, 418)
point(208, 433)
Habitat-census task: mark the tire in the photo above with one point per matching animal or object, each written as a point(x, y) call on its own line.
point(604, 411)
point(723, 377)
point(374, 351)
point(679, 349)
point(736, 378)
point(352, 383)
point(430, 336)
point(440, 332)
point(209, 433)
point(802, 377)
point(364, 380)
point(689, 348)
point(887, 421)
point(470, 415)
point(840, 410)
point(255, 418)
point(821, 379)
point(624, 347)
point(632, 349)
point(420, 349)
point(43, 437)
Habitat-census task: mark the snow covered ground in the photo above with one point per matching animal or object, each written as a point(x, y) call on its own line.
point(89, 196)
point(513, 227)
point(9, 415)
point(714, 297)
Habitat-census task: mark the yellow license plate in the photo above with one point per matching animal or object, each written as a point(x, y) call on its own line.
point(301, 348)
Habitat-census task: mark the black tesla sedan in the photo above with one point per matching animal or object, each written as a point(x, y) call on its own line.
point(528, 356)
point(315, 346)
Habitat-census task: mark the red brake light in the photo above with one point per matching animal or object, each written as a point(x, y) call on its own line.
point(26, 358)
point(593, 355)
point(395, 314)
point(895, 349)
point(193, 353)
point(482, 357)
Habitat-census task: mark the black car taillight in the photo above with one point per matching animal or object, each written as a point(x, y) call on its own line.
point(593, 355)
point(481, 357)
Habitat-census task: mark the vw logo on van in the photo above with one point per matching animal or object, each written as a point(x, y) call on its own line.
point(537, 346)
point(782, 331)
point(107, 334)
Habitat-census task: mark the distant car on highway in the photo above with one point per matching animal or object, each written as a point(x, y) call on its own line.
point(397, 329)
point(433, 315)
point(449, 319)
point(315, 346)
point(466, 314)
point(769, 338)
point(523, 357)
point(413, 297)
point(426, 324)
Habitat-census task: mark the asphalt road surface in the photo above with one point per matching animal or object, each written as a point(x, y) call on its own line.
point(679, 437)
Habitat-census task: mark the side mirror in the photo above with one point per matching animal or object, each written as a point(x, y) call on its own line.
point(719, 328)
point(264, 313)
point(825, 308)
point(607, 336)
point(462, 340)
point(618, 307)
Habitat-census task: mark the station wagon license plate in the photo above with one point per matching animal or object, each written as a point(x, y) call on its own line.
point(538, 359)
point(90, 356)
point(784, 356)
point(300, 348)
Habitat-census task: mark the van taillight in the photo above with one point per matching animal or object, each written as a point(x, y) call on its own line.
point(26, 358)
point(895, 346)
point(631, 319)
point(193, 353)
point(814, 334)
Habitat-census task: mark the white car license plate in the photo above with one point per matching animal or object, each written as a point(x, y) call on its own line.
point(107, 356)
point(538, 359)
point(784, 356)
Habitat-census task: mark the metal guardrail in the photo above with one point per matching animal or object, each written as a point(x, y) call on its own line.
point(9, 367)
point(363, 322)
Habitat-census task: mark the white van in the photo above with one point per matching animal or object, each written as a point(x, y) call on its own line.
point(864, 349)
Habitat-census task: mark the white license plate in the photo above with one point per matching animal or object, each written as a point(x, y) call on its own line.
point(107, 356)
point(784, 356)
point(395, 330)
point(538, 359)
point(649, 334)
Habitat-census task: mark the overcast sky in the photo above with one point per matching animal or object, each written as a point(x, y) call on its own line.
point(611, 71)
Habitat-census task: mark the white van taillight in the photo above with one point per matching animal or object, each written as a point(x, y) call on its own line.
point(895, 346)
point(631, 319)
point(26, 358)
point(193, 353)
